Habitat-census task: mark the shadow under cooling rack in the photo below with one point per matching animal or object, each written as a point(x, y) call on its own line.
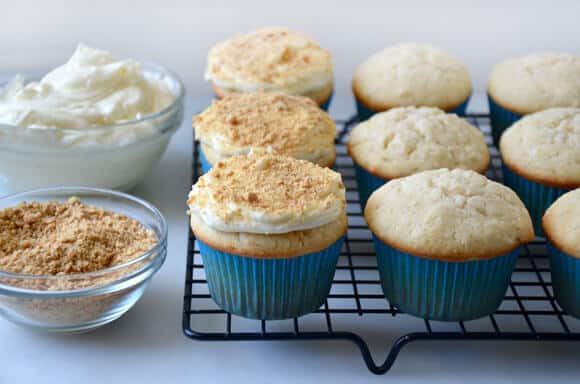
point(356, 309)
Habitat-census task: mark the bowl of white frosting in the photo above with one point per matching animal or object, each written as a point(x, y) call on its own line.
point(94, 121)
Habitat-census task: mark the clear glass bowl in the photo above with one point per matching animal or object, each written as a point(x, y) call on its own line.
point(38, 158)
point(84, 301)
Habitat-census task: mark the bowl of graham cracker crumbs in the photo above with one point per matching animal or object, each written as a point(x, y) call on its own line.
point(73, 259)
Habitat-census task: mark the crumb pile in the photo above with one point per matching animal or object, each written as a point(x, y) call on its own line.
point(58, 238)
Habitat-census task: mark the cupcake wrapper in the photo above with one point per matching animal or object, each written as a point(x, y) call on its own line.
point(367, 184)
point(443, 290)
point(205, 165)
point(501, 119)
point(270, 289)
point(536, 197)
point(365, 113)
point(565, 271)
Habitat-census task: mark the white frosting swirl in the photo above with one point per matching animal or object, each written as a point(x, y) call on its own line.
point(259, 222)
point(316, 82)
point(267, 194)
point(91, 90)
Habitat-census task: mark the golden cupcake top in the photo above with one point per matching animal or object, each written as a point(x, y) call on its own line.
point(545, 147)
point(407, 140)
point(453, 215)
point(536, 82)
point(273, 59)
point(411, 74)
point(289, 125)
point(561, 223)
point(267, 193)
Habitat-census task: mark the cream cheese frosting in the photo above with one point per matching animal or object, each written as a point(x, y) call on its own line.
point(272, 59)
point(289, 125)
point(267, 194)
point(93, 89)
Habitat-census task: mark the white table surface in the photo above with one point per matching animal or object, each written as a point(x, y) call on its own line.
point(147, 345)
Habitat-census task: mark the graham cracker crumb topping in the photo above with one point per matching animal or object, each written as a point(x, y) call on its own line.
point(56, 238)
point(290, 125)
point(270, 55)
point(279, 187)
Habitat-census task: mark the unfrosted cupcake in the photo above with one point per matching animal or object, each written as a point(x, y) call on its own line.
point(272, 59)
point(270, 229)
point(407, 140)
point(561, 225)
point(288, 125)
point(411, 75)
point(446, 242)
point(541, 158)
point(528, 84)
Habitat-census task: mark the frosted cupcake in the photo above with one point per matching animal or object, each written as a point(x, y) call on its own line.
point(411, 75)
point(288, 125)
point(541, 158)
point(446, 242)
point(561, 225)
point(528, 84)
point(407, 140)
point(270, 229)
point(271, 59)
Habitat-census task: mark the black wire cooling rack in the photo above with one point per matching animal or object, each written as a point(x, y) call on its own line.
point(528, 312)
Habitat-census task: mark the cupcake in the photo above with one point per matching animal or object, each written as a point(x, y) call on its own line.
point(446, 241)
point(407, 140)
point(272, 60)
point(288, 125)
point(270, 229)
point(529, 84)
point(541, 158)
point(562, 228)
point(411, 74)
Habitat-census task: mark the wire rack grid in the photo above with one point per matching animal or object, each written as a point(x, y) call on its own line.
point(528, 312)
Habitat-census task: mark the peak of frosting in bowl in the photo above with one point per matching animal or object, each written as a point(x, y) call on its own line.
point(92, 89)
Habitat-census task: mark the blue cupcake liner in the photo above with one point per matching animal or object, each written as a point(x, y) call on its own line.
point(270, 289)
point(536, 197)
point(443, 290)
point(501, 119)
point(205, 164)
point(565, 270)
point(367, 184)
point(365, 113)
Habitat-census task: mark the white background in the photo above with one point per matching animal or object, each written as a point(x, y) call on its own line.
point(41, 34)
point(146, 345)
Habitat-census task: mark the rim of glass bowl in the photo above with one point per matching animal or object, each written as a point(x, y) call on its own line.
point(147, 67)
point(158, 252)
